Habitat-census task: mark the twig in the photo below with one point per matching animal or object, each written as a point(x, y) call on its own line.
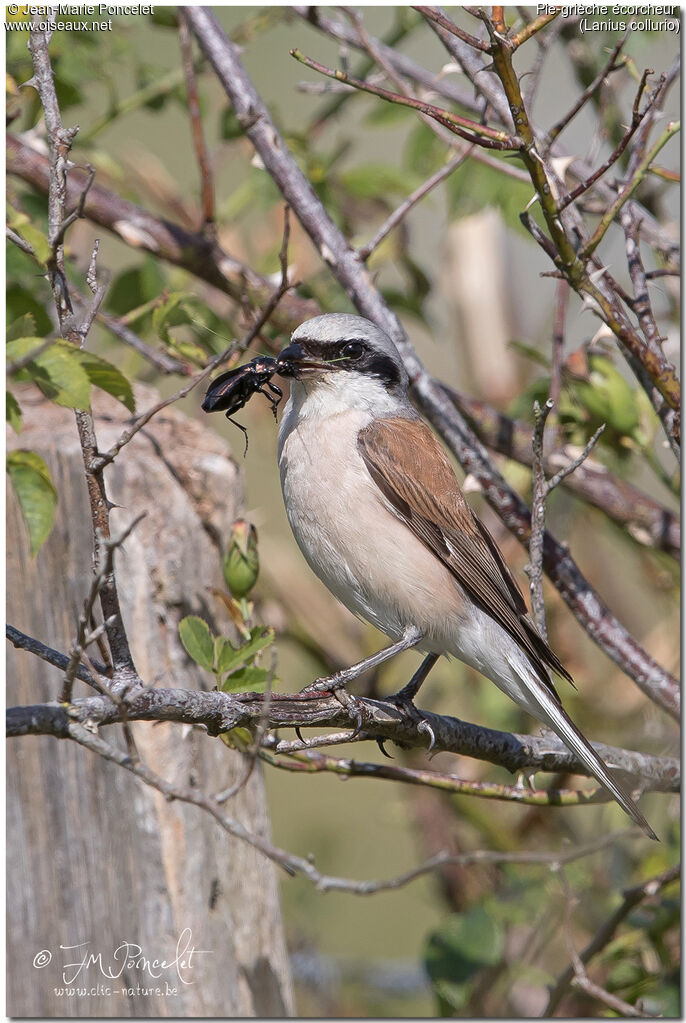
point(199, 145)
point(637, 117)
point(643, 518)
point(531, 29)
point(60, 140)
point(632, 898)
point(17, 240)
point(401, 212)
point(471, 131)
point(585, 984)
point(160, 360)
point(309, 762)
point(630, 187)
point(561, 299)
point(105, 549)
point(346, 267)
point(436, 15)
point(23, 642)
point(610, 66)
point(541, 490)
point(76, 213)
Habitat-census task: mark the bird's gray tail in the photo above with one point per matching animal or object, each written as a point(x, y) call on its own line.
point(555, 716)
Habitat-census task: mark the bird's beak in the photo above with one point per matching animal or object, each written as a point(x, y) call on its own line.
point(293, 361)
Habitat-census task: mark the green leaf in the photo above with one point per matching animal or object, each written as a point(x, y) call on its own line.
point(37, 496)
point(24, 326)
point(457, 950)
point(135, 287)
point(530, 352)
point(13, 412)
point(245, 680)
point(57, 370)
point(197, 639)
point(108, 378)
point(231, 658)
point(19, 300)
point(378, 180)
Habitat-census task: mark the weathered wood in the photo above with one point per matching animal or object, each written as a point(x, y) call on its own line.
point(95, 859)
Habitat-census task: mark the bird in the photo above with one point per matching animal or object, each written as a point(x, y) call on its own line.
point(378, 513)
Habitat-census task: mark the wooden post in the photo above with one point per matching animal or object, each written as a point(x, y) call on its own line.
point(97, 864)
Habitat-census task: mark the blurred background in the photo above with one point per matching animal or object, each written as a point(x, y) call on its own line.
point(465, 279)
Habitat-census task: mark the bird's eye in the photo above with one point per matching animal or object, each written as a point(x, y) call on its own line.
point(353, 350)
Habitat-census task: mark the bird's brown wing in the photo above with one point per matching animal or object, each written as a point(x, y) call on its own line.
point(413, 473)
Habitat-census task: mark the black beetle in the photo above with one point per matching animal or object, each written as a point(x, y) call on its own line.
point(232, 391)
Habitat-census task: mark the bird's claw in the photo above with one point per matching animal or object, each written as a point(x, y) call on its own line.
point(380, 743)
point(407, 708)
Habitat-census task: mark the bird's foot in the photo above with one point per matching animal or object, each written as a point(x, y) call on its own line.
point(335, 684)
point(405, 705)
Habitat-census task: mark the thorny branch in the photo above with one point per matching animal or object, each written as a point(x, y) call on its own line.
point(208, 227)
point(60, 140)
point(221, 712)
point(541, 489)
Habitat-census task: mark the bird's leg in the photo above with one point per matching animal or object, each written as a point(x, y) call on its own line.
point(404, 699)
point(409, 638)
point(409, 691)
point(337, 682)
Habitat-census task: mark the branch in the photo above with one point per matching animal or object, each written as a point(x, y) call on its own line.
point(310, 762)
point(142, 231)
point(541, 491)
point(199, 145)
point(632, 898)
point(60, 140)
point(348, 269)
point(471, 131)
point(23, 642)
point(401, 212)
point(221, 712)
point(636, 119)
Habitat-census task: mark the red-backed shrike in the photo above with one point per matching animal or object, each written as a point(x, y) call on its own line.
point(378, 513)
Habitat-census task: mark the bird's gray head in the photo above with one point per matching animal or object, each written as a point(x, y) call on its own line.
point(339, 343)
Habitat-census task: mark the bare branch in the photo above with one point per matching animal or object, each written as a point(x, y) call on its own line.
point(436, 15)
point(399, 214)
point(60, 140)
point(196, 125)
point(310, 762)
point(471, 131)
point(221, 712)
point(23, 642)
point(636, 120)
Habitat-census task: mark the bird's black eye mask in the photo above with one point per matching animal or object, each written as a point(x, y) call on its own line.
point(351, 354)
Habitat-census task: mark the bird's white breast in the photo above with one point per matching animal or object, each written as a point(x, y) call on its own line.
point(360, 549)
